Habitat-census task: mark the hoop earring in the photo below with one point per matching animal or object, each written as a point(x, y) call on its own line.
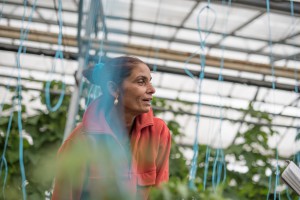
point(116, 101)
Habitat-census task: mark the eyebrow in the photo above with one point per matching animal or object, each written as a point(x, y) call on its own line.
point(144, 77)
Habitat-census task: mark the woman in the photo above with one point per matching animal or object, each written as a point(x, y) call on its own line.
point(120, 149)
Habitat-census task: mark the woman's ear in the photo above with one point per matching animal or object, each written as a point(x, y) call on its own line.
point(113, 89)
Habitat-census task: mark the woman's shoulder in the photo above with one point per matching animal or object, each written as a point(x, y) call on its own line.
point(160, 125)
point(75, 134)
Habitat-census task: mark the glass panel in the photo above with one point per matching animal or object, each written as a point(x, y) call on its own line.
point(166, 12)
point(243, 43)
point(193, 35)
point(118, 8)
point(152, 30)
point(280, 27)
point(236, 17)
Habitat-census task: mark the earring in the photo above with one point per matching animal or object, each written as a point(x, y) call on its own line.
point(116, 101)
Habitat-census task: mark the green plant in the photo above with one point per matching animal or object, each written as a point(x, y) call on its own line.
point(46, 131)
point(249, 150)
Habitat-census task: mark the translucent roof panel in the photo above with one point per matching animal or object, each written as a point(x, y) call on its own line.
point(184, 47)
point(166, 12)
point(117, 38)
point(256, 58)
point(228, 54)
point(118, 8)
point(154, 31)
point(236, 17)
point(243, 91)
point(149, 42)
point(294, 40)
point(216, 87)
point(117, 24)
point(251, 45)
point(48, 14)
point(282, 50)
point(192, 35)
point(281, 27)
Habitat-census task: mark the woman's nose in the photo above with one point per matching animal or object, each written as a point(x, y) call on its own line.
point(150, 89)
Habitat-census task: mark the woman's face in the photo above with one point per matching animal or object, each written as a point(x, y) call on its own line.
point(137, 90)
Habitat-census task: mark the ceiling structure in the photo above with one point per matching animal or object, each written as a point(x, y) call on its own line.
point(165, 34)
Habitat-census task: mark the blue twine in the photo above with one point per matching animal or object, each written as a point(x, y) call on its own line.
point(270, 185)
point(58, 55)
point(219, 165)
point(3, 3)
point(273, 88)
point(220, 162)
point(206, 166)
point(93, 89)
point(23, 37)
point(193, 169)
point(3, 159)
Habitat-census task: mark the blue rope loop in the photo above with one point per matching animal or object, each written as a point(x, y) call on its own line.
point(3, 159)
point(58, 56)
point(193, 168)
point(218, 167)
point(202, 41)
point(93, 90)
point(206, 166)
point(3, 3)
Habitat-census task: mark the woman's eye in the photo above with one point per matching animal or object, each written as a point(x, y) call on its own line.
point(141, 82)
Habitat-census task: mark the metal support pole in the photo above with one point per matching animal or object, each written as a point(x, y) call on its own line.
point(83, 56)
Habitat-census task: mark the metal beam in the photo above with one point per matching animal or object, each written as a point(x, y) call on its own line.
point(117, 31)
point(276, 6)
point(165, 54)
point(159, 24)
point(191, 29)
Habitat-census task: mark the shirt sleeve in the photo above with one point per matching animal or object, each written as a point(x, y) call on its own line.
point(162, 173)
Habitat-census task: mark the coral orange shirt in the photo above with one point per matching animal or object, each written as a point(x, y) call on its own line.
point(148, 164)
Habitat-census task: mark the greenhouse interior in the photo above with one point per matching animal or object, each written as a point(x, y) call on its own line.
point(226, 81)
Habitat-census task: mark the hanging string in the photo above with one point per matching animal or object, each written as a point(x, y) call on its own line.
point(93, 89)
point(193, 168)
point(3, 158)
point(3, 3)
point(277, 172)
point(23, 37)
point(297, 155)
point(219, 166)
point(58, 56)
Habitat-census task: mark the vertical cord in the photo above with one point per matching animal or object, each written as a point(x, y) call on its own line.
point(219, 162)
point(58, 55)
point(1, 12)
point(277, 172)
point(98, 66)
point(296, 86)
point(193, 169)
point(93, 90)
point(23, 37)
point(3, 159)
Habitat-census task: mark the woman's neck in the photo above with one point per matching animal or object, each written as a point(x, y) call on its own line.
point(129, 121)
point(121, 119)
